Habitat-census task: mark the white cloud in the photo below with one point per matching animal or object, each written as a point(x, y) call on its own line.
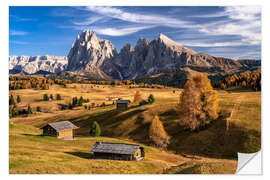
point(214, 44)
point(17, 33)
point(119, 31)
point(88, 21)
point(152, 19)
point(244, 21)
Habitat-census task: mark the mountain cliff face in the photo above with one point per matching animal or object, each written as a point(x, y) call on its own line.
point(88, 53)
point(97, 58)
point(150, 57)
point(35, 64)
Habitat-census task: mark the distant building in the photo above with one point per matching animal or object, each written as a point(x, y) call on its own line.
point(122, 104)
point(61, 130)
point(118, 151)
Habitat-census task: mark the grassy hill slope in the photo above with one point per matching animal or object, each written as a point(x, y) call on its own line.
point(31, 153)
point(215, 143)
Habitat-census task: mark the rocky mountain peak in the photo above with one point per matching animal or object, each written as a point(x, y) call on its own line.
point(175, 46)
point(89, 52)
point(127, 47)
point(142, 42)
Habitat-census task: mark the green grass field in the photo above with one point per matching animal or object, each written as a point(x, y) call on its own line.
point(213, 148)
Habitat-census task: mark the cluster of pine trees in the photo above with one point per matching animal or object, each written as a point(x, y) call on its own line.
point(14, 110)
point(247, 79)
point(32, 82)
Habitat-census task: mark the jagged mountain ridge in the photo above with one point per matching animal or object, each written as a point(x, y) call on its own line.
point(36, 64)
point(96, 58)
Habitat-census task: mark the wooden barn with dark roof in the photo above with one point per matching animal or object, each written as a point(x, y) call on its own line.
point(61, 130)
point(118, 151)
point(122, 104)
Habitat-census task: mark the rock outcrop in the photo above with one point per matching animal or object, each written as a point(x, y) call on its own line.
point(35, 64)
point(89, 53)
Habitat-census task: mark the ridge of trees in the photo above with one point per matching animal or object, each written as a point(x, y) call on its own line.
point(247, 79)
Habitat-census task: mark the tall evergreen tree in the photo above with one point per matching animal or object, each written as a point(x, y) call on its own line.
point(18, 99)
point(80, 102)
point(95, 130)
point(29, 109)
point(151, 99)
point(11, 100)
point(45, 97)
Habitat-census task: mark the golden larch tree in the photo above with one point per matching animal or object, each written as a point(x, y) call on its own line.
point(157, 134)
point(198, 103)
point(137, 97)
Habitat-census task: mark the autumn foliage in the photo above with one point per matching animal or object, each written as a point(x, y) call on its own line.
point(248, 79)
point(157, 133)
point(198, 103)
point(137, 97)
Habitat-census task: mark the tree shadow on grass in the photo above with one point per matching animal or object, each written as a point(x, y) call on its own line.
point(217, 142)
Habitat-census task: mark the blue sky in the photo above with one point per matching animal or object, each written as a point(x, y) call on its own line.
point(233, 31)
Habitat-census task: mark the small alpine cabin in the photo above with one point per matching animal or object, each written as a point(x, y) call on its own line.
point(122, 104)
point(61, 130)
point(118, 151)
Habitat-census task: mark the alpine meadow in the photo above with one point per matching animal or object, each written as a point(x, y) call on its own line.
point(149, 90)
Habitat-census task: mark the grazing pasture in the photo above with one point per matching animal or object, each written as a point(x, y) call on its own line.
point(215, 146)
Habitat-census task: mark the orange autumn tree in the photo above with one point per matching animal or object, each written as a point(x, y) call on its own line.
point(198, 103)
point(137, 97)
point(157, 133)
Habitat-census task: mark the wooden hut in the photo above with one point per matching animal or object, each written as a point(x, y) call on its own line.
point(122, 104)
point(118, 151)
point(61, 130)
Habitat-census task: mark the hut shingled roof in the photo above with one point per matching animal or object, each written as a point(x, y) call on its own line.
point(62, 125)
point(115, 148)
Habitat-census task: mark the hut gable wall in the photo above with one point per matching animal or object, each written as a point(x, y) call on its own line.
point(49, 131)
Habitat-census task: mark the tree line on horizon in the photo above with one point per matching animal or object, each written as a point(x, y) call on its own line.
point(246, 80)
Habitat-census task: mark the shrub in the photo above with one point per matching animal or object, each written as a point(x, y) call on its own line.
point(70, 106)
point(151, 98)
point(45, 97)
point(58, 97)
point(103, 104)
point(29, 109)
point(38, 109)
point(18, 99)
point(95, 130)
point(74, 101)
